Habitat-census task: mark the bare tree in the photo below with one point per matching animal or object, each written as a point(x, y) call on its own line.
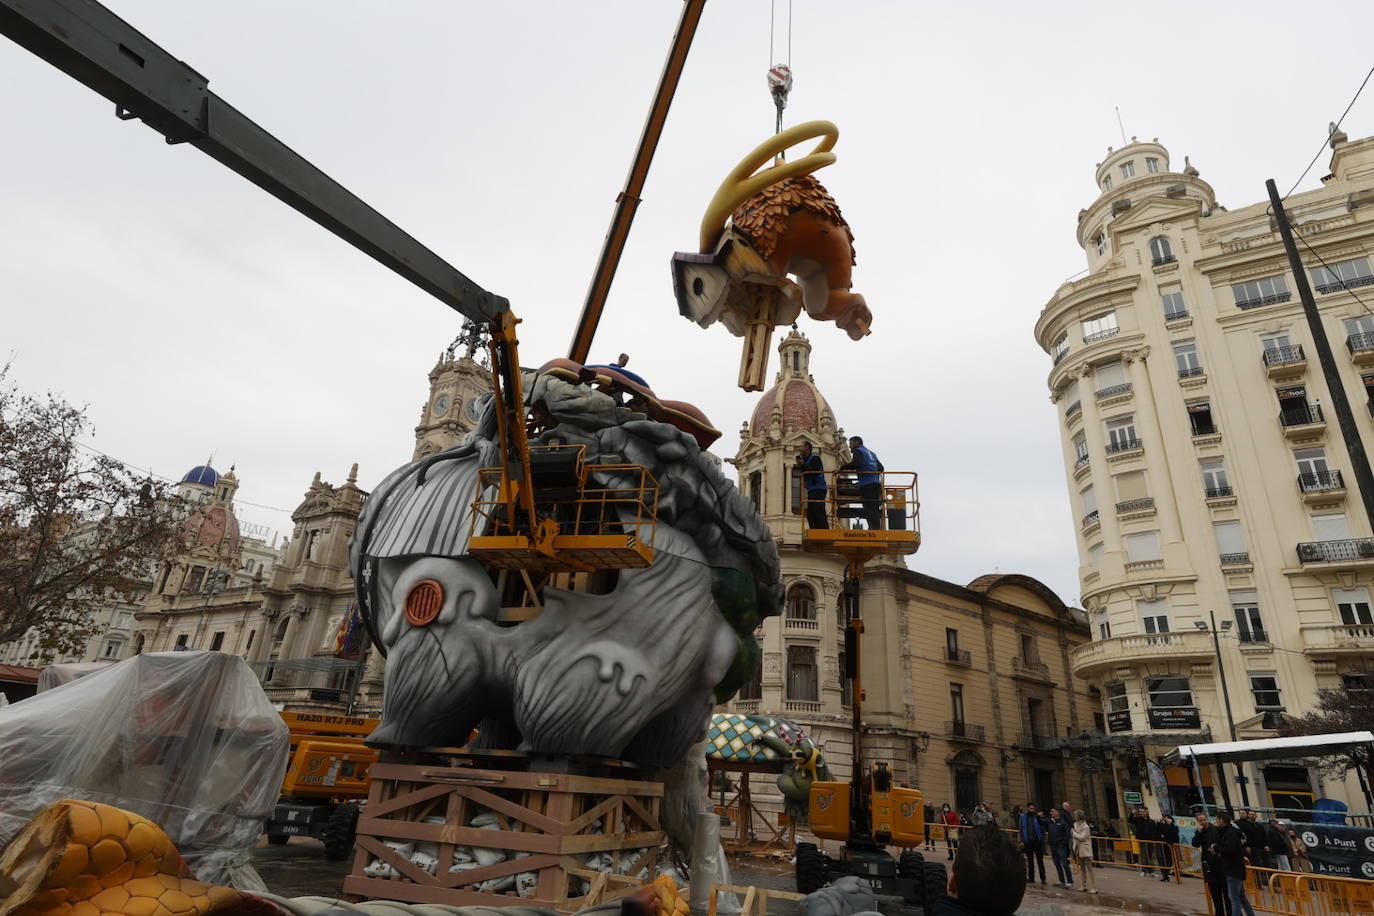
point(1349, 708)
point(78, 530)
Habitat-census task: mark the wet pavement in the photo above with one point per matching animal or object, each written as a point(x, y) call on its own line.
point(299, 869)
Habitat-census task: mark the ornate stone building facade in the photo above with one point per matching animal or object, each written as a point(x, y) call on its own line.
point(969, 687)
point(1208, 481)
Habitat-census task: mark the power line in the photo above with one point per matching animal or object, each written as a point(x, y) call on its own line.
point(1335, 127)
point(151, 473)
point(1333, 273)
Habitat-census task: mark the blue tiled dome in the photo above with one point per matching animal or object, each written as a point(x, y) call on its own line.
point(202, 474)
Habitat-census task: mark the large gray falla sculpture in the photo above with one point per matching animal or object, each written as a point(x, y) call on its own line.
point(632, 673)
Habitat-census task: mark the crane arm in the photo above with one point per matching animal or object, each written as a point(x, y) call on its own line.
point(92, 45)
point(628, 201)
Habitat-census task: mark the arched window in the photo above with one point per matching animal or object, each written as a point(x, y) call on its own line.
point(801, 673)
point(801, 602)
point(1161, 252)
point(966, 768)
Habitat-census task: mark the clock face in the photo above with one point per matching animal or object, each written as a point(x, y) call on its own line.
point(441, 404)
point(472, 409)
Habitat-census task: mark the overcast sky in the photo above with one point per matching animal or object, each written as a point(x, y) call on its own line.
point(195, 314)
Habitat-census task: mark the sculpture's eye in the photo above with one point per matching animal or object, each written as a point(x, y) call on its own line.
point(423, 602)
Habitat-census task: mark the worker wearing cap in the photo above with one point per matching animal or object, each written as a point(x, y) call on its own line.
point(813, 479)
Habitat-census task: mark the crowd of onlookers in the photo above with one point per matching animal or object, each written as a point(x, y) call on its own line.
point(1076, 843)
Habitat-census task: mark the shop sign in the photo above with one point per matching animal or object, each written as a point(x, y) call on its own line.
point(1132, 798)
point(1174, 717)
point(1119, 721)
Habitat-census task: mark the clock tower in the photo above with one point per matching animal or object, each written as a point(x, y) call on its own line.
point(455, 385)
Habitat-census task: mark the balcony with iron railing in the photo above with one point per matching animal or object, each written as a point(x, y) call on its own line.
point(1218, 492)
point(1319, 486)
point(1300, 421)
point(1279, 361)
point(1091, 518)
point(1121, 446)
point(1339, 285)
point(958, 657)
point(1263, 300)
point(1114, 391)
point(1339, 550)
point(1072, 409)
point(1190, 372)
point(1100, 335)
point(1029, 668)
point(1039, 742)
point(1176, 316)
point(1135, 505)
point(1059, 355)
point(1161, 261)
point(1239, 558)
point(1204, 429)
point(1080, 461)
point(1361, 347)
point(964, 731)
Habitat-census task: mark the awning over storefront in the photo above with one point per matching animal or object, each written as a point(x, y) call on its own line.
point(1266, 749)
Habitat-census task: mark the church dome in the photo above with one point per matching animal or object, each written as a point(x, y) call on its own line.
point(213, 527)
point(794, 393)
point(201, 474)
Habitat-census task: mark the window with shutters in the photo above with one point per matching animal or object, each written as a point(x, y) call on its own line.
point(1080, 450)
point(1342, 275)
point(1230, 543)
point(1117, 699)
point(1161, 252)
point(1100, 328)
point(1186, 359)
point(1128, 169)
point(1121, 434)
point(1131, 491)
point(1265, 689)
point(1333, 527)
point(1249, 624)
point(801, 602)
point(1168, 692)
point(1151, 165)
point(1255, 293)
point(1109, 378)
point(1174, 306)
point(1214, 480)
point(801, 673)
point(216, 642)
point(1273, 342)
point(1353, 606)
point(1361, 325)
point(1154, 616)
point(1200, 418)
point(1142, 547)
point(1060, 348)
point(956, 702)
point(1089, 502)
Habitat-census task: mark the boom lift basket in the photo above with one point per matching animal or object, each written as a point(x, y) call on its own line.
point(591, 517)
point(898, 509)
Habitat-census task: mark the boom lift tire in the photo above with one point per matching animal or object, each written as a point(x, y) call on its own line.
point(911, 865)
point(339, 833)
point(934, 883)
point(810, 868)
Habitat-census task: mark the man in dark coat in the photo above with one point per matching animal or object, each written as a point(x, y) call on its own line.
point(1255, 839)
point(1032, 832)
point(870, 480)
point(1057, 831)
point(1229, 847)
point(1276, 838)
point(1168, 835)
point(1144, 829)
point(1205, 839)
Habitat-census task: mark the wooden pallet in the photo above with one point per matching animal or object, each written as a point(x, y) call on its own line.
point(549, 816)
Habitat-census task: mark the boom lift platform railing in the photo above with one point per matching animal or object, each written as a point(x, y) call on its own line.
point(898, 508)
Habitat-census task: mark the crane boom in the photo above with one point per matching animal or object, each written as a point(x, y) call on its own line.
point(92, 45)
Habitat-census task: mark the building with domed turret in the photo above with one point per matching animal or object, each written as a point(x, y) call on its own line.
point(969, 689)
point(1224, 554)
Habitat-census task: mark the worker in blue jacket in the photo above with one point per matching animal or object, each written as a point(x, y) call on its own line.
point(870, 480)
point(813, 479)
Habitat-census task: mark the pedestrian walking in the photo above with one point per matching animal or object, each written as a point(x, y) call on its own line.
point(1213, 876)
point(1145, 831)
point(950, 819)
point(813, 479)
point(1229, 846)
point(930, 821)
point(1081, 843)
point(1276, 838)
point(1058, 832)
point(870, 481)
point(1032, 833)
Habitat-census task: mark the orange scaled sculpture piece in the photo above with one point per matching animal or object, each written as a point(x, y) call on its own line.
point(783, 224)
point(79, 858)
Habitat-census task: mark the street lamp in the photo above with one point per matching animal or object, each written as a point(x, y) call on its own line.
point(1225, 693)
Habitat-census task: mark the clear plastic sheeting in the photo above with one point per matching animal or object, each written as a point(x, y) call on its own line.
point(57, 675)
point(186, 739)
